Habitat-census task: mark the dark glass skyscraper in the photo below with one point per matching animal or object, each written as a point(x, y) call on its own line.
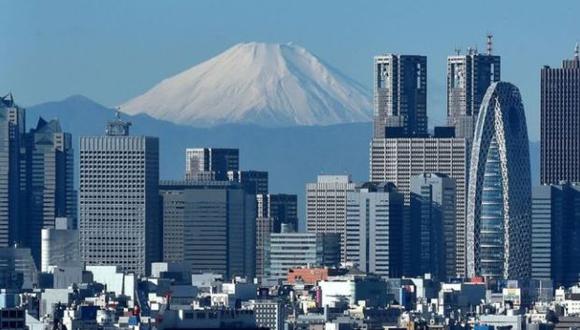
point(400, 95)
point(208, 164)
point(433, 200)
point(560, 122)
point(49, 181)
point(468, 77)
point(210, 225)
point(556, 233)
point(499, 194)
point(12, 127)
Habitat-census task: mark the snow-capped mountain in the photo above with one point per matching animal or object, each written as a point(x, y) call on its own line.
point(257, 83)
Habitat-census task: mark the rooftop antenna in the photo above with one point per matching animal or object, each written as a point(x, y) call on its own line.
point(577, 52)
point(118, 113)
point(457, 51)
point(489, 43)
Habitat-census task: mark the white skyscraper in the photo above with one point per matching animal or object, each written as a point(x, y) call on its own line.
point(326, 205)
point(396, 160)
point(499, 196)
point(433, 220)
point(374, 224)
point(118, 199)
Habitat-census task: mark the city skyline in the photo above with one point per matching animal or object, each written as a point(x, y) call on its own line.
point(266, 188)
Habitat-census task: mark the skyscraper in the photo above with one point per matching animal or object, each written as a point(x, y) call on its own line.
point(288, 250)
point(326, 205)
point(560, 122)
point(499, 194)
point(49, 181)
point(556, 233)
point(396, 160)
point(119, 199)
point(210, 225)
point(400, 94)
point(282, 208)
point(468, 77)
point(433, 221)
point(254, 182)
point(12, 127)
point(210, 163)
point(374, 226)
point(274, 211)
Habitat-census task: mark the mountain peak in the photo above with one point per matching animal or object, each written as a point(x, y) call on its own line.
point(257, 83)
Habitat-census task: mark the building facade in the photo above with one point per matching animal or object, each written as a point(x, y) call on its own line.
point(396, 160)
point(560, 122)
point(12, 128)
point(556, 233)
point(254, 182)
point(60, 245)
point(499, 194)
point(50, 193)
point(433, 211)
point(400, 94)
point(326, 205)
point(270, 314)
point(274, 212)
point(468, 77)
point(288, 250)
point(282, 208)
point(210, 163)
point(119, 199)
point(374, 226)
point(209, 225)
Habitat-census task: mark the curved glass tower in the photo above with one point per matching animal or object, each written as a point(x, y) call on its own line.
point(499, 193)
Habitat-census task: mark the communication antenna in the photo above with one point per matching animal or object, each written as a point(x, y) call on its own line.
point(577, 52)
point(489, 43)
point(457, 51)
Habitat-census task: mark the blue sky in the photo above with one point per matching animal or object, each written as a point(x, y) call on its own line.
point(111, 51)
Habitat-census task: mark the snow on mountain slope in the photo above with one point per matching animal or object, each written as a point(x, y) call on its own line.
point(256, 83)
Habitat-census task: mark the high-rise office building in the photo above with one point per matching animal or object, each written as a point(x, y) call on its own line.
point(374, 224)
point(432, 218)
point(274, 211)
point(499, 194)
point(264, 227)
point(396, 160)
point(468, 77)
point(288, 250)
point(556, 233)
point(119, 199)
point(207, 164)
point(209, 225)
point(326, 205)
point(12, 128)
point(282, 208)
point(560, 122)
point(49, 181)
point(400, 95)
point(254, 182)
